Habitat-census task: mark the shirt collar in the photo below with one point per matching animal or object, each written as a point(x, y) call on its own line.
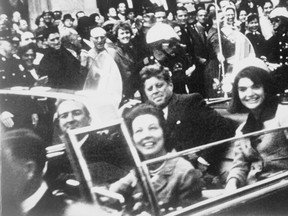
point(252, 124)
point(73, 52)
point(31, 201)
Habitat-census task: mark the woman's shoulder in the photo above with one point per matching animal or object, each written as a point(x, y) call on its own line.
point(181, 165)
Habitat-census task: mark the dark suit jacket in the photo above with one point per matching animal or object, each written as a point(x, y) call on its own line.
point(62, 69)
point(199, 41)
point(191, 123)
point(49, 205)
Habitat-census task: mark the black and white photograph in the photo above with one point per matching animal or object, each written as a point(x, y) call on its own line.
point(144, 107)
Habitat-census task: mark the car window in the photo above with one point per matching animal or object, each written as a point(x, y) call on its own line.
point(214, 198)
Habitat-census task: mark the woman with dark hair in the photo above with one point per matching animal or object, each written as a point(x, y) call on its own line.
point(95, 20)
point(175, 181)
point(126, 58)
point(257, 157)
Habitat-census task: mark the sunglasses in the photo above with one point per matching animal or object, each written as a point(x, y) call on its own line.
point(274, 20)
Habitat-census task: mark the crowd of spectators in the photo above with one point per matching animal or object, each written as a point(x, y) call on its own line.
point(63, 42)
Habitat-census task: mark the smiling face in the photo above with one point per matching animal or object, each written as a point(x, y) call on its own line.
point(182, 17)
point(98, 37)
point(148, 136)
point(253, 25)
point(158, 91)
point(28, 57)
point(230, 16)
point(242, 16)
point(72, 115)
point(124, 36)
point(251, 95)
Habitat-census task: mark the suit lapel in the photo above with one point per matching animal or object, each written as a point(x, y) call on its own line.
point(173, 114)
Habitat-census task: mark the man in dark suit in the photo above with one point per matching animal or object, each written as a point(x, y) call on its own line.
point(190, 122)
point(62, 65)
point(24, 192)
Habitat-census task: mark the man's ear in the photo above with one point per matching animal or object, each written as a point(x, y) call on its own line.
point(171, 86)
point(30, 169)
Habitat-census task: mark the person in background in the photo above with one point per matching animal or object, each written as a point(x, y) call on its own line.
point(23, 26)
point(83, 28)
point(264, 20)
point(160, 14)
point(112, 14)
point(182, 19)
point(62, 61)
point(121, 9)
point(167, 50)
point(126, 58)
point(26, 38)
point(22, 184)
point(9, 65)
point(198, 34)
point(242, 18)
point(176, 182)
point(95, 20)
point(29, 74)
point(103, 73)
point(67, 21)
point(256, 38)
point(277, 57)
point(16, 111)
point(48, 18)
point(258, 157)
point(130, 16)
point(79, 14)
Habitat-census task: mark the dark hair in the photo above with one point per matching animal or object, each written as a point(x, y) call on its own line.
point(155, 70)
point(77, 13)
point(37, 20)
point(182, 8)
point(121, 25)
point(258, 76)
point(209, 7)
point(92, 19)
point(25, 144)
point(252, 16)
point(143, 109)
point(266, 1)
point(23, 49)
point(241, 9)
point(160, 9)
point(50, 30)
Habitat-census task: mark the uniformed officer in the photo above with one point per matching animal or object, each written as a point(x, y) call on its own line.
point(278, 47)
point(9, 66)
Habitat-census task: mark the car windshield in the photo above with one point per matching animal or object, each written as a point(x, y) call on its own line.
point(99, 163)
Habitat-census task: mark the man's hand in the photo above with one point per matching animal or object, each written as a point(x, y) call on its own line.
point(231, 185)
point(6, 119)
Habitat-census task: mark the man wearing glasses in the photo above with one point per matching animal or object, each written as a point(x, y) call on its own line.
point(278, 46)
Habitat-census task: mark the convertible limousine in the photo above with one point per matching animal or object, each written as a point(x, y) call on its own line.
point(89, 179)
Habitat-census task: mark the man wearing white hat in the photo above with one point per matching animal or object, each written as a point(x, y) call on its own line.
point(278, 46)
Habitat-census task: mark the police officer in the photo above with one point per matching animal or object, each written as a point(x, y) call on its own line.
point(278, 46)
point(9, 66)
point(165, 44)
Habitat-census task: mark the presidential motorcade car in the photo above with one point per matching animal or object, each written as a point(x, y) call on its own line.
point(90, 152)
